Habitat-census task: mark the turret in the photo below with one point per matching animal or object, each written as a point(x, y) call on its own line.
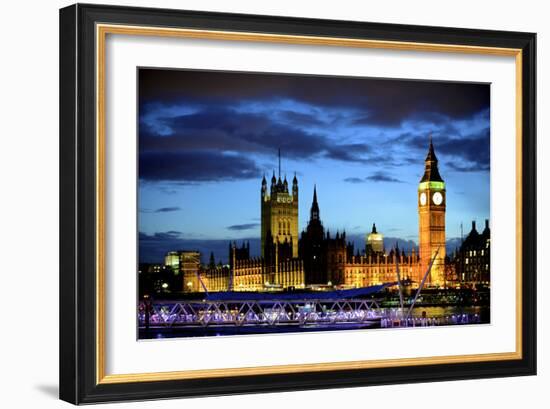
point(487, 231)
point(295, 186)
point(264, 187)
point(273, 183)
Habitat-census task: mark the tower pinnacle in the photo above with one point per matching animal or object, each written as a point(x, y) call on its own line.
point(431, 171)
point(279, 163)
point(315, 193)
point(314, 214)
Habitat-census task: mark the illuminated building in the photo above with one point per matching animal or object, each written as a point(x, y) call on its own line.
point(431, 214)
point(375, 242)
point(338, 265)
point(215, 278)
point(172, 259)
point(473, 260)
point(259, 274)
point(279, 213)
point(317, 260)
point(374, 269)
point(244, 273)
point(189, 263)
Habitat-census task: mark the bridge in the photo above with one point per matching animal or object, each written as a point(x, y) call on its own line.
point(170, 314)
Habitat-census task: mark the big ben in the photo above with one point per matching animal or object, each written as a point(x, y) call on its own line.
point(431, 212)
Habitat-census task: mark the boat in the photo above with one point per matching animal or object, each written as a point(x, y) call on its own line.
point(297, 295)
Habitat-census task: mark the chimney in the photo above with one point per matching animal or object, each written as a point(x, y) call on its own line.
point(486, 223)
point(473, 225)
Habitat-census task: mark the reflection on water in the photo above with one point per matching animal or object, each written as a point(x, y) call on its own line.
point(438, 312)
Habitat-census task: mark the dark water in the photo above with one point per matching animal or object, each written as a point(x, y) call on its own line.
point(474, 315)
point(438, 312)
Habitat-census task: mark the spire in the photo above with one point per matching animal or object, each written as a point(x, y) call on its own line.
point(314, 213)
point(374, 228)
point(431, 152)
point(295, 180)
point(279, 163)
point(315, 194)
point(431, 171)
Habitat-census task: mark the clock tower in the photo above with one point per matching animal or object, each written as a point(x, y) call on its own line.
point(431, 217)
point(280, 215)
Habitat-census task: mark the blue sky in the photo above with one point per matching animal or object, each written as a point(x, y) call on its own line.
point(207, 138)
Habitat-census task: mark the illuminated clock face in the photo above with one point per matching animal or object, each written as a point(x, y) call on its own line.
point(423, 198)
point(437, 198)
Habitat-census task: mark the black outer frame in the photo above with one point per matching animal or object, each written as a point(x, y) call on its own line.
point(77, 204)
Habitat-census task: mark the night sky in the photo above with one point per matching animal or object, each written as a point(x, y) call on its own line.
point(206, 138)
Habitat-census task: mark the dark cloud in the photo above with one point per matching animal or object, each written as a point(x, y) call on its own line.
point(168, 235)
point(192, 123)
point(386, 101)
point(382, 177)
point(375, 177)
point(241, 227)
point(348, 152)
point(195, 166)
point(153, 247)
point(224, 129)
point(197, 139)
point(469, 153)
point(467, 168)
point(354, 180)
point(299, 118)
point(168, 209)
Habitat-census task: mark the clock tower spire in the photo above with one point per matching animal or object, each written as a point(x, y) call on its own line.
point(431, 219)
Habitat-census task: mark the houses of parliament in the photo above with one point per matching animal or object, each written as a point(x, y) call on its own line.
point(315, 258)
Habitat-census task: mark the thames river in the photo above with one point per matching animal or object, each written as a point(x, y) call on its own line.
point(421, 316)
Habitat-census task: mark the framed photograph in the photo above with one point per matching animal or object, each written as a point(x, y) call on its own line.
point(257, 204)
